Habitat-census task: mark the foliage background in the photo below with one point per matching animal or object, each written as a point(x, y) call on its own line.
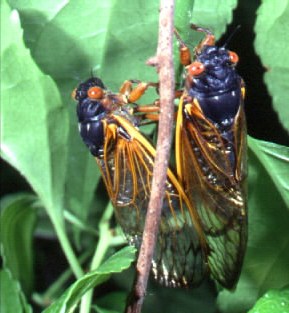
point(52, 196)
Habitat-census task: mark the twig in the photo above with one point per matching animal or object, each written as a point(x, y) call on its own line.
point(164, 63)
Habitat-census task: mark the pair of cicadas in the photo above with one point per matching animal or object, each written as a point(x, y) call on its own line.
point(203, 228)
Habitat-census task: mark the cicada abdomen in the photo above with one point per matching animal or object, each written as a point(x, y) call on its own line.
point(126, 159)
point(211, 153)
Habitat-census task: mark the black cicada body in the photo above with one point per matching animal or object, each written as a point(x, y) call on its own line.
point(211, 153)
point(90, 114)
point(203, 226)
point(126, 160)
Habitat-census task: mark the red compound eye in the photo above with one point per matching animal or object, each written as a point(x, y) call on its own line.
point(196, 68)
point(233, 57)
point(95, 93)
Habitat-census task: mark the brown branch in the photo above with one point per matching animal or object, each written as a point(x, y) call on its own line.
point(164, 63)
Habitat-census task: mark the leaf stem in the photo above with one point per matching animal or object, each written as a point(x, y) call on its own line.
point(105, 238)
point(68, 216)
point(66, 246)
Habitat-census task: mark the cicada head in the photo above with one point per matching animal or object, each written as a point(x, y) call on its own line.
point(212, 80)
point(90, 112)
point(93, 88)
point(212, 71)
point(90, 96)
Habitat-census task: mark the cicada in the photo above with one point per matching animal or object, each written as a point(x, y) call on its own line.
point(203, 227)
point(109, 129)
point(211, 152)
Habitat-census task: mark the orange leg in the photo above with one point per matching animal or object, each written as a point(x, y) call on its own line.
point(155, 106)
point(134, 94)
point(209, 40)
point(148, 113)
point(150, 108)
point(185, 54)
point(152, 118)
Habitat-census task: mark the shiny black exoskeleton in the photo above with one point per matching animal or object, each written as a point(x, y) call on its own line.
point(90, 113)
point(218, 88)
point(218, 91)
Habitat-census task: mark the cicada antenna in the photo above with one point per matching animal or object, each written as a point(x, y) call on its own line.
point(237, 28)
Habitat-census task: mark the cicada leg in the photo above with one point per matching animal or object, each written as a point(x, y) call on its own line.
point(209, 39)
point(185, 54)
point(134, 94)
point(147, 113)
point(150, 112)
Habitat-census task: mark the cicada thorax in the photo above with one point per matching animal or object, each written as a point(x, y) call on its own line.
point(126, 160)
point(211, 154)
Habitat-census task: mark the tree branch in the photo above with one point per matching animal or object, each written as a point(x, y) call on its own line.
point(164, 63)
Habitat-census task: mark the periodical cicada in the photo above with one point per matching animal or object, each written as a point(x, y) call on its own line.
point(211, 152)
point(203, 227)
point(126, 159)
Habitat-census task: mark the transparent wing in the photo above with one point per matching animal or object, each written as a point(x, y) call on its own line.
point(215, 187)
point(181, 254)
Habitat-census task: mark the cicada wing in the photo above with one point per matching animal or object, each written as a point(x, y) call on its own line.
point(215, 187)
point(240, 136)
point(180, 257)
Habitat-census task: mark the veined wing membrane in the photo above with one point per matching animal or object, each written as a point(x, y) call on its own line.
point(214, 185)
point(181, 254)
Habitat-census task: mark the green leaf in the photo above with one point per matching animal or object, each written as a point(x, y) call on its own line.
point(183, 11)
point(96, 36)
point(112, 302)
point(115, 264)
point(272, 301)
point(271, 29)
point(102, 310)
point(214, 15)
point(275, 159)
point(34, 126)
point(267, 258)
point(18, 219)
point(11, 298)
point(91, 36)
point(34, 122)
